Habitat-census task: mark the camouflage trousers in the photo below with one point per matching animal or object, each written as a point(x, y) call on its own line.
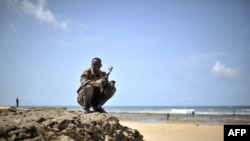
point(90, 96)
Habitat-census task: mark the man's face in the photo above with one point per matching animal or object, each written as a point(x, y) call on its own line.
point(96, 65)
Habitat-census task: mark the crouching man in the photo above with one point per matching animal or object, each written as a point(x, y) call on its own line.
point(95, 88)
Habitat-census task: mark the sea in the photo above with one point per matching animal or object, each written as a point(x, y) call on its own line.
point(180, 114)
point(197, 110)
point(162, 114)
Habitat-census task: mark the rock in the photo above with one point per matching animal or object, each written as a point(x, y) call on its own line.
point(13, 109)
point(41, 119)
point(62, 125)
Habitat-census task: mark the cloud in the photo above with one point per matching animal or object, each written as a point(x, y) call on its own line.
point(220, 70)
point(39, 12)
point(199, 60)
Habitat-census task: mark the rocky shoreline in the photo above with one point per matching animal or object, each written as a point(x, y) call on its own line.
point(60, 124)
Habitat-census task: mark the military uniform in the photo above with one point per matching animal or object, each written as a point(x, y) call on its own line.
point(90, 93)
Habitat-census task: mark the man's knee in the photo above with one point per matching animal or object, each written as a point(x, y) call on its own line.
point(110, 91)
point(86, 91)
point(89, 89)
point(114, 90)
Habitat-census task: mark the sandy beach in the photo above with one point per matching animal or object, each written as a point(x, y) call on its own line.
point(156, 127)
point(177, 131)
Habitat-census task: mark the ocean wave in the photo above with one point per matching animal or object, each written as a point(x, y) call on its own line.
point(178, 110)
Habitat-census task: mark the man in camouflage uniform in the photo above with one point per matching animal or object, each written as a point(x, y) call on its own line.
point(92, 81)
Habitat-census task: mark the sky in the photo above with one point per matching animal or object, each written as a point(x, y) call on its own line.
point(164, 52)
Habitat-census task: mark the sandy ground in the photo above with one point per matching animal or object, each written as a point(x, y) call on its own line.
point(177, 131)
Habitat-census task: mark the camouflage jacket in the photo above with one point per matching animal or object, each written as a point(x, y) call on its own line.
point(89, 77)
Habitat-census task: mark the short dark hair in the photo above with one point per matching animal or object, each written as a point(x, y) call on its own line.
point(98, 59)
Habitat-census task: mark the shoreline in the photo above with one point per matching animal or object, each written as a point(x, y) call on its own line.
point(164, 118)
point(183, 119)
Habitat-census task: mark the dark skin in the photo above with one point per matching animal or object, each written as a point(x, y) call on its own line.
point(96, 65)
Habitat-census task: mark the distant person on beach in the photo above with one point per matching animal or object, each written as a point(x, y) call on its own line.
point(168, 115)
point(17, 102)
point(93, 80)
point(193, 112)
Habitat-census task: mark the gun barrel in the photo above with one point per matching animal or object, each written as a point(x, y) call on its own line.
point(110, 69)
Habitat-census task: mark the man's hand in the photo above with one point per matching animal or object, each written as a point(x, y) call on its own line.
point(105, 81)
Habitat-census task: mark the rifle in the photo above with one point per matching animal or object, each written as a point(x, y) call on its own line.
point(107, 75)
point(110, 69)
point(112, 83)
